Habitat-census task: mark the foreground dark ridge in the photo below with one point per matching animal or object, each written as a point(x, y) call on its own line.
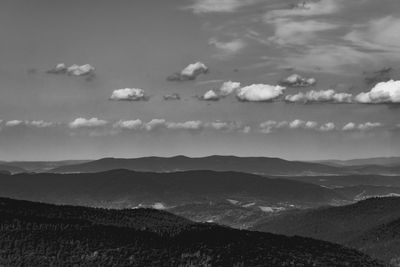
point(34, 234)
point(372, 225)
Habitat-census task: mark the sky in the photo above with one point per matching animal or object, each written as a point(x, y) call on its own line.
point(300, 80)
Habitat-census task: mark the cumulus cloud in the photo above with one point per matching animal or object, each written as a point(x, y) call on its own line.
point(383, 92)
point(218, 6)
point(210, 96)
point(271, 125)
point(13, 123)
point(319, 97)
point(128, 94)
point(189, 73)
point(367, 126)
point(188, 125)
point(327, 127)
point(174, 96)
point(129, 124)
point(296, 80)
point(228, 88)
point(154, 124)
point(227, 49)
point(73, 70)
point(87, 123)
point(259, 92)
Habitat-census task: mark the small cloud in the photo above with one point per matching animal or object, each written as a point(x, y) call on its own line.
point(210, 96)
point(154, 124)
point(87, 123)
point(73, 70)
point(189, 73)
point(382, 93)
point(323, 96)
point(14, 123)
point(188, 125)
point(174, 96)
point(40, 124)
point(327, 127)
point(227, 49)
point(349, 126)
point(296, 80)
point(218, 6)
point(259, 92)
point(367, 126)
point(128, 94)
point(228, 87)
point(130, 124)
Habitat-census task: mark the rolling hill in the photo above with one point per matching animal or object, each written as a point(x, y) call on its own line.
point(11, 168)
point(35, 234)
point(123, 188)
point(356, 224)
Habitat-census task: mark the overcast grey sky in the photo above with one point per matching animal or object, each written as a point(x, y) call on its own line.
point(79, 112)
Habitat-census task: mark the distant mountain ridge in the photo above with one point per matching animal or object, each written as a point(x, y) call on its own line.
point(36, 234)
point(256, 165)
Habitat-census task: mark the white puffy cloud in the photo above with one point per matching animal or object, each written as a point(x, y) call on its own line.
point(210, 96)
point(271, 125)
point(259, 92)
point(383, 92)
point(319, 97)
point(296, 80)
point(40, 124)
point(87, 123)
point(13, 123)
point(224, 126)
point(327, 127)
point(227, 49)
point(228, 88)
point(190, 72)
point(129, 124)
point(154, 124)
point(218, 6)
point(367, 126)
point(188, 125)
point(128, 94)
point(73, 70)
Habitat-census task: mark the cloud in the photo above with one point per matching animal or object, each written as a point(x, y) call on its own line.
point(87, 123)
point(306, 9)
point(210, 96)
point(128, 94)
point(259, 92)
point(154, 124)
point(40, 124)
point(367, 126)
point(227, 49)
point(218, 6)
point(73, 70)
point(189, 73)
point(322, 96)
point(291, 32)
point(296, 80)
point(271, 125)
point(14, 123)
point(327, 127)
point(224, 126)
point(174, 96)
point(188, 125)
point(379, 34)
point(383, 92)
point(228, 88)
point(129, 124)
